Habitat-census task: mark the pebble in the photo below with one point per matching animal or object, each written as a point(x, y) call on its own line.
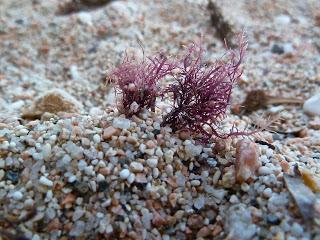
point(136, 167)
point(81, 187)
point(77, 214)
point(245, 187)
point(45, 181)
point(315, 124)
point(273, 219)
point(277, 49)
point(72, 178)
point(109, 132)
point(228, 178)
point(2, 174)
point(124, 173)
point(193, 150)
point(199, 202)
point(234, 199)
point(264, 171)
point(150, 152)
point(297, 230)
point(96, 138)
point(2, 163)
point(46, 151)
point(131, 178)
point(12, 176)
point(152, 162)
point(282, 20)
point(168, 156)
point(311, 106)
point(267, 192)
point(159, 152)
point(121, 123)
point(85, 18)
point(195, 183)
point(247, 159)
point(17, 195)
point(100, 178)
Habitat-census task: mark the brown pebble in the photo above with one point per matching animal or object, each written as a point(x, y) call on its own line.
point(54, 225)
point(69, 199)
point(315, 124)
point(132, 140)
point(172, 182)
point(67, 227)
point(184, 134)
point(195, 221)
point(203, 232)
point(173, 197)
point(216, 230)
point(247, 160)
point(302, 133)
point(285, 166)
point(109, 132)
point(158, 220)
point(219, 147)
point(150, 144)
point(171, 220)
point(105, 171)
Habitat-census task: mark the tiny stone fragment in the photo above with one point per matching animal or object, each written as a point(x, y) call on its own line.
point(247, 160)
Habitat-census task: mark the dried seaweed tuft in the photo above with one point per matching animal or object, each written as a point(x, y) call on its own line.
point(201, 93)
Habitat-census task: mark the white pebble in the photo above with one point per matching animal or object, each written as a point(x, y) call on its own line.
point(269, 153)
point(12, 144)
point(17, 195)
point(155, 172)
point(46, 151)
point(72, 179)
point(100, 178)
point(36, 237)
point(85, 18)
point(150, 152)
point(85, 142)
point(245, 187)
point(195, 183)
point(152, 162)
point(124, 173)
point(29, 202)
point(77, 214)
point(282, 20)
point(96, 138)
point(193, 150)
point(121, 123)
point(156, 125)
point(297, 229)
point(168, 156)
point(264, 171)
point(136, 166)
point(142, 147)
point(267, 192)
point(234, 199)
point(159, 152)
point(45, 181)
point(311, 106)
point(131, 178)
point(89, 171)
point(200, 202)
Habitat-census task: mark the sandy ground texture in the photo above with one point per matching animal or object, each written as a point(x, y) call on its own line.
point(72, 167)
